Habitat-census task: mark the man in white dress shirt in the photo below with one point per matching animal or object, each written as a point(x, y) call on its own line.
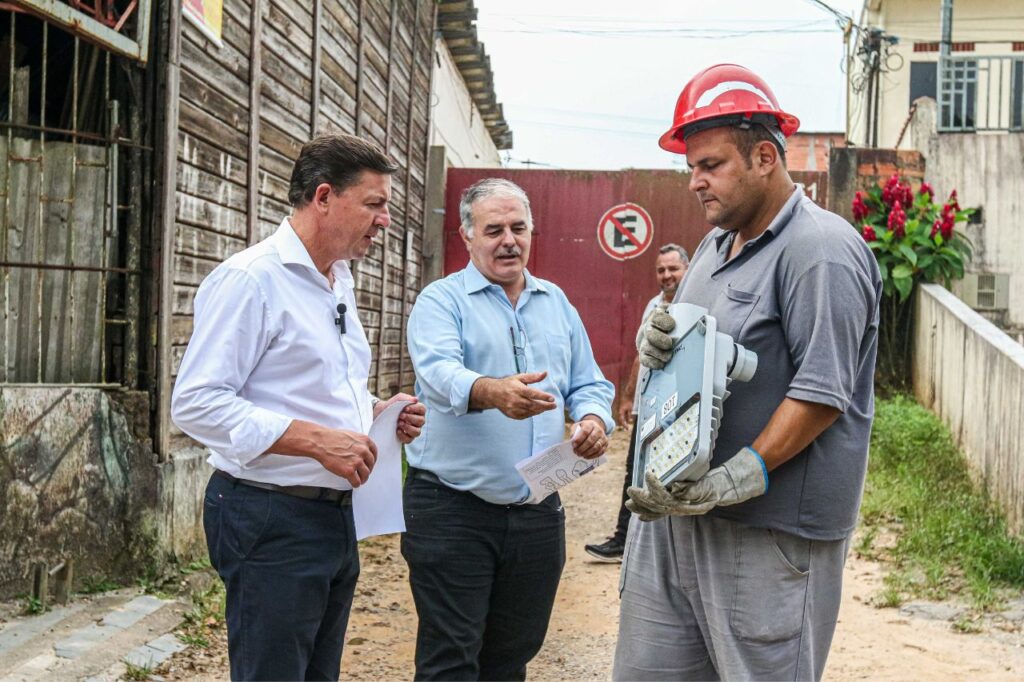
point(274, 382)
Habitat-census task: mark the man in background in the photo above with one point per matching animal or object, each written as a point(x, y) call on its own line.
point(670, 266)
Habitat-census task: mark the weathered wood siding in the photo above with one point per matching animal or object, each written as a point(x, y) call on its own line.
point(289, 70)
point(54, 215)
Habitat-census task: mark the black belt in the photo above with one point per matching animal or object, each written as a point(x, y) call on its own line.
point(424, 475)
point(553, 500)
point(342, 498)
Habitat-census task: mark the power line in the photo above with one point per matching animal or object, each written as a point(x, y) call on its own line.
point(840, 17)
point(696, 34)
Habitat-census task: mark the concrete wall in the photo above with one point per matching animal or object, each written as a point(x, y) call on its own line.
point(971, 375)
point(917, 21)
point(79, 481)
point(987, 172)
point(456, 122)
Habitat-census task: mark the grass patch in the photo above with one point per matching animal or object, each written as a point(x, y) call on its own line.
point(922, 515)
point(202, 623)
point(137, 673)
point(97, 584)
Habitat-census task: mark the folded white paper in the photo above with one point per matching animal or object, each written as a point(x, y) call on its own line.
point(377, 504)
point(554, 468)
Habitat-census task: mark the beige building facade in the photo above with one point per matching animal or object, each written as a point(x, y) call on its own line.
point(967, 120)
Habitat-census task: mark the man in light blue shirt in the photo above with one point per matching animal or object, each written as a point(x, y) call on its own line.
point(500, 356)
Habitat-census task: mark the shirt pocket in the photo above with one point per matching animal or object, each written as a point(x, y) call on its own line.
point(559, 356)
point(733, 311)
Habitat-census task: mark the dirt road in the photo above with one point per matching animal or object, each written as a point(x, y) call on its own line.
point(870, 643)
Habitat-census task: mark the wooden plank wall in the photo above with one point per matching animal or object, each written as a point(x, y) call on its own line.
point(52, 208)
point(309, 67)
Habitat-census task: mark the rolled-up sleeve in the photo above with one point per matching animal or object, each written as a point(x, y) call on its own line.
point(230, 334)
point(826, 312)
point(435, 348)
point(589, 392)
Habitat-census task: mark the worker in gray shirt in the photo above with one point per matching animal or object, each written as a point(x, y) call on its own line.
point(738, 575)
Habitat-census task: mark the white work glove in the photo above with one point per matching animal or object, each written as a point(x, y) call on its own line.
point(653, 342)
point(742, 477)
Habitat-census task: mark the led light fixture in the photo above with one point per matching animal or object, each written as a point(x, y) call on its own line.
point(681, 405)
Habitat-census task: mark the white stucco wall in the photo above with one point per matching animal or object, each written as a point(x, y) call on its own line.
point(972, 376)
point(918, 21)
point(986, 171)
point(456, 124)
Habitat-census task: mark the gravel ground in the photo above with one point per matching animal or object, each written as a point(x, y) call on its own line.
point(870, 643)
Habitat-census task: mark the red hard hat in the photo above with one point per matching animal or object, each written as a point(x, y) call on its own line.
point(728, 91)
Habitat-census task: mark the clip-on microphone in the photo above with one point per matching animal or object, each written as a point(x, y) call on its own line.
point(340, 320)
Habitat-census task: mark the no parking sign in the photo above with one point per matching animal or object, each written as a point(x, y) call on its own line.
point(625, 231)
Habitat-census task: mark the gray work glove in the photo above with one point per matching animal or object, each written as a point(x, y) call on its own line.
point(653, 342)
point(742, 477)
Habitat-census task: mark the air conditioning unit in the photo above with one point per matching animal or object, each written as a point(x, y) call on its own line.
point(986, 290)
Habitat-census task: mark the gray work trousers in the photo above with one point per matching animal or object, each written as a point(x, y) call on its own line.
point(706, 599)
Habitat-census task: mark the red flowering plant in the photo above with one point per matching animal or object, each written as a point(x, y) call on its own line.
point(914, 239)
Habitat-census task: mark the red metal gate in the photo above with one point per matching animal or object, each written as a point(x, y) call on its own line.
point(567, 205)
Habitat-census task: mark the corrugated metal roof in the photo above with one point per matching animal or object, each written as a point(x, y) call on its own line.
point(455, 21)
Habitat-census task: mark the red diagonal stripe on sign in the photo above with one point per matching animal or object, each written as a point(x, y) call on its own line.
point(622, 228)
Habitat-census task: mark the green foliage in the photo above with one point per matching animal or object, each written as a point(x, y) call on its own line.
point(96, 584)
point(202, 564)
point(206, 616)
point(137, 672)
point(33, 606)
point(949, 538)
point(913, 238)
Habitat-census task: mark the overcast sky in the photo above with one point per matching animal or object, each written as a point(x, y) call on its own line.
point(593, 83)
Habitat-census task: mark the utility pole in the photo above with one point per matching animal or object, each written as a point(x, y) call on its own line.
point(945, 64)
point(946, 24)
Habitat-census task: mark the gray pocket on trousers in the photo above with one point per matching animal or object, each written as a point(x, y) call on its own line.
point(770, 590)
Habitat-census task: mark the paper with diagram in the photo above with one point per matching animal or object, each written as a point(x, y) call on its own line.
point(554, 468)
point(377, 504)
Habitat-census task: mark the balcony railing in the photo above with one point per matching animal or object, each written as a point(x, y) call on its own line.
point(981, 93)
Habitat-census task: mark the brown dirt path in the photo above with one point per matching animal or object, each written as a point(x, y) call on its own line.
point(870, 643)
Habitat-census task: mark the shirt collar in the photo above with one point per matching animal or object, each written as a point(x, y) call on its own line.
point(777, 224)
point(474, 281)
point(293, 252)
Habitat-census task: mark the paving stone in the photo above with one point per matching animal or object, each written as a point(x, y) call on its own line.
point(169, 643)
point(132, 612)
point(930, 611)
point(155, 652)
point(143, 657)
point(19, 632)
point(1014, 610)
point(83, 639)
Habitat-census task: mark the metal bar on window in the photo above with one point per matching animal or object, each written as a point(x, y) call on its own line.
point(110, 214)
point(7, 202)
point(74, 268)
point(81, 135)
point(81, 24)
point(71, 221)
point(42, 188)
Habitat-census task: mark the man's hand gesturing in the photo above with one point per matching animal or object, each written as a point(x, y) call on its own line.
point(512, 395)
point(347, 454)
